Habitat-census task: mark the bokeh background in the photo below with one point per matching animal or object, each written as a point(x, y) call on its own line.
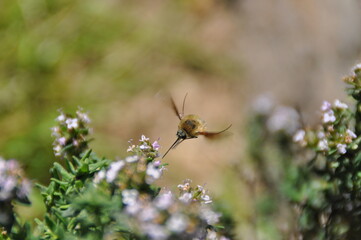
point(119, 60)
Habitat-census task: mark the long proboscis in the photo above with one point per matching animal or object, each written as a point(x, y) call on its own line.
point(177, 141)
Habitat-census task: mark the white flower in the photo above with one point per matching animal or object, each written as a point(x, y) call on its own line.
point(99, 176)
point(143, 139)
point(283, 119)
point(223, 238)
point(351, 133)
point(356, 68)
point(209, 216)
point(164, 200)
point(132, 159)
point(186, 197)
point(76, 143)
point(148, 213)
point(157, 163)
point(340, 105)
point(185, 186)
point(61, 118)
point(24, 189)
point(328, 117)
point(2, 165)
point(211, 235)
point(83, 116)
point(113, 170)
point(131, 148)
point(57, 150)
point(177, 223)
point(130, 196)
point(321, 134)
point(323, 145)
point(299, 136)
point(8, 186)
point(156, 145)
point(144, 146)
point(55, 131)
point(206, 199)
point(133, 209)
point(62, 141)
point(341, 148)
point(72, 123)
point(12, 166)
point(155, 231)
point(153, 172)
point(326, 106)
point(263, 104)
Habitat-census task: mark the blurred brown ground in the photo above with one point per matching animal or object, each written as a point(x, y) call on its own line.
point(296, 51)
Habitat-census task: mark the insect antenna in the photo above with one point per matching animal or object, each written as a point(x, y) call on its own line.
point(184, 101)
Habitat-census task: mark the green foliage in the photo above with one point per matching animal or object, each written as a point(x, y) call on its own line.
point(320, 179)
point(95, 198)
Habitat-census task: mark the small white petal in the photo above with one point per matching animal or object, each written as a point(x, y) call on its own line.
point(326, 106)
point(323, 145)
point(299, 136)
point(113, 170)
point(143, 138)
point(186, 197)
point(177, 223)
point(341, 148)
point(340, 105)
point(132, 159)
point(328, 117)
point(164, 200)
point(130, 196)
point(351, 133)
point(61, 118)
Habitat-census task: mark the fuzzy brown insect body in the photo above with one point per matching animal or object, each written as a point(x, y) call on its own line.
point(190, 126)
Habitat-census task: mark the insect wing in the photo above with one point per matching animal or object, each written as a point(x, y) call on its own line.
point(212, 134)
point(175, 109)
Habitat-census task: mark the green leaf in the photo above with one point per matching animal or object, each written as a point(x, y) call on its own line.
point(65, 175)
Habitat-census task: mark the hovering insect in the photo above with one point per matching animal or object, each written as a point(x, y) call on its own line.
point(190, 126)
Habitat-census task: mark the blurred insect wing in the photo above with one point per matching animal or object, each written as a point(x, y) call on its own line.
point(212, 134)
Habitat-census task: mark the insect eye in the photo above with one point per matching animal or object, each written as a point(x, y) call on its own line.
point(181, 134)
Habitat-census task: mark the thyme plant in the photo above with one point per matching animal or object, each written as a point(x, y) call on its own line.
point(312, 172)
point(90, 197)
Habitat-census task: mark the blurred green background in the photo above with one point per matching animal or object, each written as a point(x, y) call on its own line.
point(120, 59)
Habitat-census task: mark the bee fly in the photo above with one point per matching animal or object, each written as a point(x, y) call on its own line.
point(190, 126)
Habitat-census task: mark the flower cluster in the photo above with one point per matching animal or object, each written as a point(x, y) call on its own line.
point(355, 78)
point(158, 215)
point(277, 118)
point(334, 135)
point(150, 150)
point(188, 193)
point(13, 186)
point(137, 169)
point(95, 198)
point(71, 134)
point(169, 216)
